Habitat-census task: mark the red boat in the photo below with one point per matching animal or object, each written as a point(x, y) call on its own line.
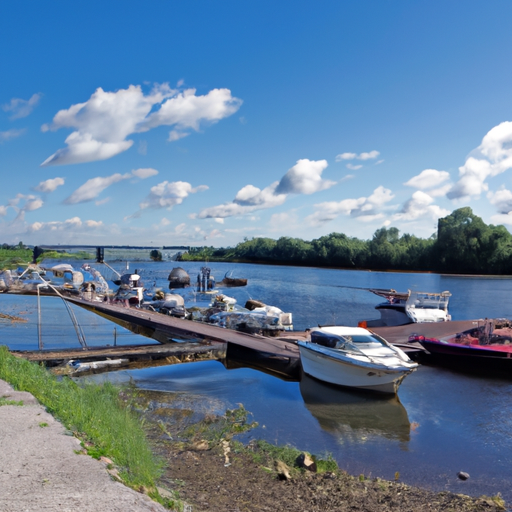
point(487, 347)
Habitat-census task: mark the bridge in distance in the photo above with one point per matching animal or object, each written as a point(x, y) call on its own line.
point(116, 252)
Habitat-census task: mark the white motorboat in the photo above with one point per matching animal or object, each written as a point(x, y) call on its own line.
point(409, 307)
point(354, 357)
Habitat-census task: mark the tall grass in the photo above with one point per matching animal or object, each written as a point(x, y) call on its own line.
point(12, 258)
point(94, 412)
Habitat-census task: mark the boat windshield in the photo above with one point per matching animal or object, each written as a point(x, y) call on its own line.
point(348, 343)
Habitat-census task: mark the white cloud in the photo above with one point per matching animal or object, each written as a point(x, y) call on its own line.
point(144, 173)
point(505, 219)
point(502, 200)
point(370, 218)
point(346, 156)
point(353, 167)
point(330, 210)
point(22, 203)
point(11, 134)
point(103, 123)
point(305, 177)
point(492, 157)
point(472, 179)
point(441, 191)
point(143, 147)
point(370, 155)
point(74, 222)
point(278, 221)
point(49, 185)
point(363, 208)
point(428, 178)
point(168, 194)
point(420, 206)
point(94, 223)
point(247, 200)
point(186, 111)
point(92, 188)
point(214, 233)
point(22, 108)
point(33, 203)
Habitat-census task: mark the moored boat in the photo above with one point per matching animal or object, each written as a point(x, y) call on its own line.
point(486, 347)
point(354, 357)
point(401, 308)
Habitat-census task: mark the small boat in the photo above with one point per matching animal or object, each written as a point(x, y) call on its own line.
point(487, 347)
point(233, 281)
point(178, 278)
point(403, 308)
point(256, 317)
point(354, 357)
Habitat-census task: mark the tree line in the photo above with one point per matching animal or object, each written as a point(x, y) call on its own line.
point(463, 244)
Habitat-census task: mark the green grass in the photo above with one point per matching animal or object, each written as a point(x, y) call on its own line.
point(95, 413)
point(266, 454)
point(5, 401)
point(60, 255)
point(213, 430)
point(12, 258)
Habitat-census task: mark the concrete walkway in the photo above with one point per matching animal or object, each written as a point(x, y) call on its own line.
point(40, 470)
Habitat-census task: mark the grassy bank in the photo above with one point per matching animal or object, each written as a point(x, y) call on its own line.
point(206, 466)
point(94, 413)
point(12, 258)
point(15, 257)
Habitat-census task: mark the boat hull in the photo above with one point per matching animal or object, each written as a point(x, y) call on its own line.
point(349, 374)
point(464, 357)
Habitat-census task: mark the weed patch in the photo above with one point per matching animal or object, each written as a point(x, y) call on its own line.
point(94, 413)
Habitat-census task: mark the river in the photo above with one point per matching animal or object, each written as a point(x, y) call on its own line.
point(443, 422)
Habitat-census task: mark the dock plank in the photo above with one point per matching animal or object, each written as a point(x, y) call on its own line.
point(189, 329)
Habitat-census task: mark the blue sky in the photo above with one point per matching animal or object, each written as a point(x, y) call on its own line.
point(203, 122)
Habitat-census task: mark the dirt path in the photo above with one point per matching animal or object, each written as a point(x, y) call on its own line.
point(41, 471)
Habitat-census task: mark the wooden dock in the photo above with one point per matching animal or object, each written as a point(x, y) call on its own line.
point(204, 341)
point(166, 329)
point(84, 361)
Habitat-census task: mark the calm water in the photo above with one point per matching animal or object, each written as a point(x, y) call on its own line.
point(443, 422)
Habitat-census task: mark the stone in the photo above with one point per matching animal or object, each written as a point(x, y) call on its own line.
point(305, 461)
point(283, 471)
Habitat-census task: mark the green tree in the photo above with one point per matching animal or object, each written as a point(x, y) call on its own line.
point(155, 255)
point(461, 242)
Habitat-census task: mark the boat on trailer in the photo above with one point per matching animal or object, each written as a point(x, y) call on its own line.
point(354, 357)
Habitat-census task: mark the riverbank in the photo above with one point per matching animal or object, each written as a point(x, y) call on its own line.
point(212, 471)
point(44, 468)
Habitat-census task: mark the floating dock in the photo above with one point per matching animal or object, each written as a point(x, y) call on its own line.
point(167, 329)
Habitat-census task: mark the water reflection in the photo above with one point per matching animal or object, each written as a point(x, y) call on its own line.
point(283, 368)
point(346, 413)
